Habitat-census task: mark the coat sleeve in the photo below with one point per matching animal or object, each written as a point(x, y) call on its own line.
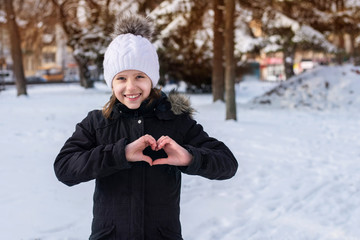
point(211, 158)
point(81, 159)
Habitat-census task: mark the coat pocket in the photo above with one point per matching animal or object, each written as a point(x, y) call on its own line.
point(103, 234)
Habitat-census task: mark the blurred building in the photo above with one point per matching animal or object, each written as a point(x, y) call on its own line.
point(272, 60)
point(54, 54)
point(51, 53)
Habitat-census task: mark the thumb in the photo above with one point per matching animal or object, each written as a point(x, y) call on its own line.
point(147, 159)
point(161, 161)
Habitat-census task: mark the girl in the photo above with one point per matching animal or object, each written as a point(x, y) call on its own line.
point(138, 145)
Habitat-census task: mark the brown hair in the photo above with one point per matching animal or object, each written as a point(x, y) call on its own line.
point(108, 107)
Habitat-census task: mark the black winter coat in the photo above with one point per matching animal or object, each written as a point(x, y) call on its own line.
point(135, 201)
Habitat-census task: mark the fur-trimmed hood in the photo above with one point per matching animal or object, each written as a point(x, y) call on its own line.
point(180, 104)
point(167, 107)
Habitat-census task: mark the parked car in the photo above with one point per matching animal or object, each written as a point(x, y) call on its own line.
point(35, 79)
point(51, 73)
point(7, 76)
point(307, 64)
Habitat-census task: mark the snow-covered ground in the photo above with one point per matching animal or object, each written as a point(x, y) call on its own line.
point(324, 88)
point(298, 174)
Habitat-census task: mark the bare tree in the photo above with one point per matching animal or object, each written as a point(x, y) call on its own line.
point(37, 30)
point(229, 60)
point(218, 58)
point(16, 53)
point(89, 38)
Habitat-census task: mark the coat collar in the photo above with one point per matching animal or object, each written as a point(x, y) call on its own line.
point(164, 108)
point(160, 108)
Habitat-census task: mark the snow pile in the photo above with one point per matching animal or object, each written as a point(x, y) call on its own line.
point(322, 88)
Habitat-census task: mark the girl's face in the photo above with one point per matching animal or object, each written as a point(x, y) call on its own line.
point(131, 87)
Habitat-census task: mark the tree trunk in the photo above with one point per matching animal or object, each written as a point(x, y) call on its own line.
point(230, 62)
point(16, 53)
point(341, 52)
point(289, 55)
point(218, 44)
point(352, 45)
point(85, 80)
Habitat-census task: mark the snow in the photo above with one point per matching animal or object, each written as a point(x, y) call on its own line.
point(298, 175)
point(167, 7)
point(301, 32)
point(322, 88)
point(244, 41)
point(352, 3)
point(2, 17)
point(278, 20)
point(177, 22)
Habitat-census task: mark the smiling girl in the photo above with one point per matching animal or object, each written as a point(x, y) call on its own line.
point(139, 144)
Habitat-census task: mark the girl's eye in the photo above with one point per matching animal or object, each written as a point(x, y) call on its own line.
point(121, 78)
point(139, 76)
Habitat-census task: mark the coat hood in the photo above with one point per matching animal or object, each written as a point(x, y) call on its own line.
point(180, 104)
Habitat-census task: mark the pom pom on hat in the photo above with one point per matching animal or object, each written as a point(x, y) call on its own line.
point(135, 25)
point(131, 49)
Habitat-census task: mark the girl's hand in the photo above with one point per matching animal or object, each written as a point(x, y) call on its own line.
point(134, 150)
point(177, 155)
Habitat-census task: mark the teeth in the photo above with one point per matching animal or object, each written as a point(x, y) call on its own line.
point(132, 96)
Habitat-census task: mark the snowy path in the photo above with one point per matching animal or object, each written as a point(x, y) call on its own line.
point(298, 174)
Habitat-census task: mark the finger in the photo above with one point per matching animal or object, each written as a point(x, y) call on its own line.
point(150, 141)
point(147, 159)
point(161, 161)
point(163, 141)
point(162, 138)
point(148, 136)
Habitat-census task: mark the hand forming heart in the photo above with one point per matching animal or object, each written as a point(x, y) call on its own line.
point(177, 155)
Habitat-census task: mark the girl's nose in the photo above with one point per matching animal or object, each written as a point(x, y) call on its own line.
point(131, 83)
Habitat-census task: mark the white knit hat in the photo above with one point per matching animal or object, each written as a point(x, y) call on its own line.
point(131, 51)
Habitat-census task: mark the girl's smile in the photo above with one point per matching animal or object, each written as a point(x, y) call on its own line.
point(131, 88)
point(132, 96)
